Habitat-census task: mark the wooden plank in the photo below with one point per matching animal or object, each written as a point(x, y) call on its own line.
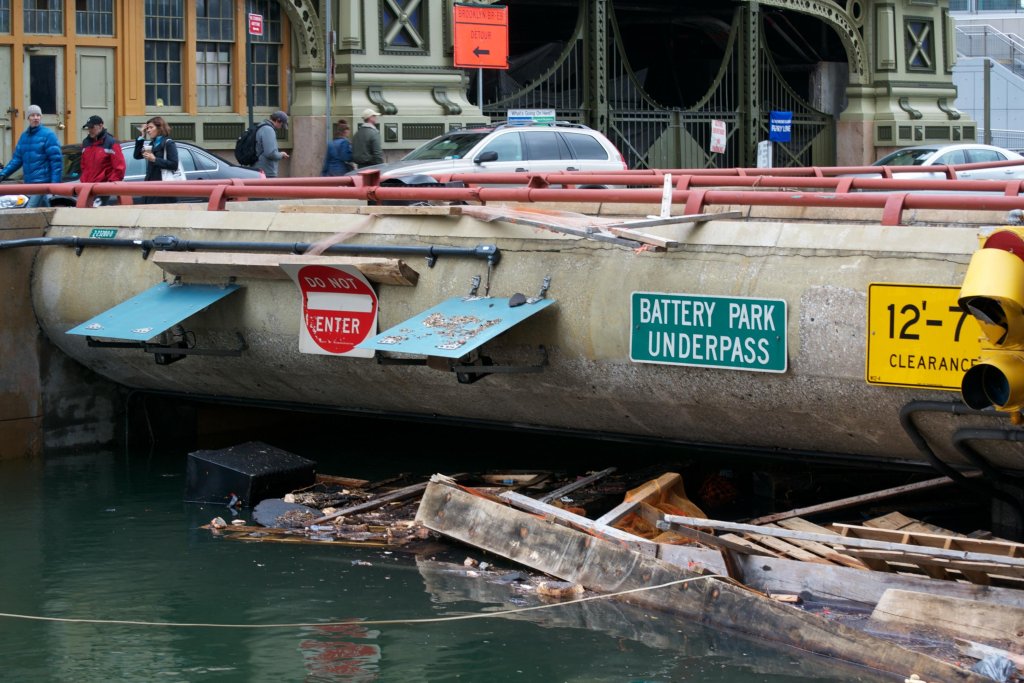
point(578, 484)
point(608, 567)
point(831, 554)
point(846, 542)
point(727, 542)
point(953, 616)
point(319, 208)
point(785, 549)
point(380, 501)
point(616, 513)
point(753, 548)
point(727, 549)
point(579, 522)
point(646, 238)
point(843, 503)
point(676, 220)
point(507, 215)
point(771, 574)
point(981, 569)
point(341, 481)
point(211, 265)
point(964, 543)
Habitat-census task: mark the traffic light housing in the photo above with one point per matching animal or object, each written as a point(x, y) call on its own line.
point(993, 293)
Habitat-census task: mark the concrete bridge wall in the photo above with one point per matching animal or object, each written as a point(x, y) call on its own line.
point(819, 263)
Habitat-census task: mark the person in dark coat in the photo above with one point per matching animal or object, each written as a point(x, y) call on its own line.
point(338, 160)
point(102, 158)
point(158, 149)
point(38, 152)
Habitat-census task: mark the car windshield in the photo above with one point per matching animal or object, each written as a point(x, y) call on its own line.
point(906, 157)
point(451, 146)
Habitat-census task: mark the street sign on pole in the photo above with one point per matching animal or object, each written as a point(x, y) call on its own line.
point(481, 36)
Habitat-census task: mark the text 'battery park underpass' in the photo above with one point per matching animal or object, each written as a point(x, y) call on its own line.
point(736, 333)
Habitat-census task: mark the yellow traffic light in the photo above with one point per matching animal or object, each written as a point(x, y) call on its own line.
point(993, 293)
point(997, 381)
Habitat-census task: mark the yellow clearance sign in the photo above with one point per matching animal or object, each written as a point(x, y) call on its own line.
point(918, 336)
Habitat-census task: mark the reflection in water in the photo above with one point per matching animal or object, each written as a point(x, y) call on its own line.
point(107, 536)
point(333, 652)
point(696, 645)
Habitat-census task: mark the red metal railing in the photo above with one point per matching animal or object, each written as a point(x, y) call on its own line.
point(696, 189)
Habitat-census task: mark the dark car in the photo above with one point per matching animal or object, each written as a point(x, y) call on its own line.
point(199, 164)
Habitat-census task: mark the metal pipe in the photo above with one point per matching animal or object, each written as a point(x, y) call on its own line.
point(957, 408)
point(488, 252)
point(890, 196)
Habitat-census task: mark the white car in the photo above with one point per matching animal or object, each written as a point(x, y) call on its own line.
point(954, 155)
point(508, 148)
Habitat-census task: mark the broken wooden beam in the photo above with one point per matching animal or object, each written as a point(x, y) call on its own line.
point(844, 503)
point(675, 220)
point(579, 522)
point(671, 521)
point(609, 567)
point(380, 501)
point(578, 484)
point(209, 265)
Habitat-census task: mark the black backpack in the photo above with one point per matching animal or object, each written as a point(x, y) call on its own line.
point(245, 146)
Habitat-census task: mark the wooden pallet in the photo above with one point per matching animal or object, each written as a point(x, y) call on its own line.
point(913, 533)
point(796, 549)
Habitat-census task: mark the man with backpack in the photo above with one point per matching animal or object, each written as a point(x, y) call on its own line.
point(102, 158)
point(267, 152)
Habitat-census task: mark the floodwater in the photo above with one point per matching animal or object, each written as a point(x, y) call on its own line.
point(95, 538)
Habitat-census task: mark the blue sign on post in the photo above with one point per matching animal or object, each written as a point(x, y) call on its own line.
point(780, 126)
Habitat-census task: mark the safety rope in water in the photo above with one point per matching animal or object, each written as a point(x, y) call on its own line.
point(361, 622)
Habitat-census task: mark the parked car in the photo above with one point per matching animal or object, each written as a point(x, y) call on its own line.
point(506, 148)
point(955, 155)
point(198, 163)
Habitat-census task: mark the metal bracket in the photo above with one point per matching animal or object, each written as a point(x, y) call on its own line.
point(545, 285)
point(165, 354)
point(471, 367)
point(475, 370)
point(475, 286)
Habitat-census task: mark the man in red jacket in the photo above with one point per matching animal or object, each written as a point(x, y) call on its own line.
point(102, 158)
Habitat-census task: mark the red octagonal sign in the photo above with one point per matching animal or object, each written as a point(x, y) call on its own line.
point(339, 309)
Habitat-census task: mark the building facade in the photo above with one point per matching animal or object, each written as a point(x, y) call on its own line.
point(859, 76)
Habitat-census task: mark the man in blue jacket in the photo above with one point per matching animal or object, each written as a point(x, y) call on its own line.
point(38, 151)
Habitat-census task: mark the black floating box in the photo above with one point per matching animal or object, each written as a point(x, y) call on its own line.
point(252, 471)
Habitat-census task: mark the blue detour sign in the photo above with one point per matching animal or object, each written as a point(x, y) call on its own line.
point(780, 126)
point(735, 333)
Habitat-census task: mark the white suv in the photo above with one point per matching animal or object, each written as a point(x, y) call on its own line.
point(506, 148)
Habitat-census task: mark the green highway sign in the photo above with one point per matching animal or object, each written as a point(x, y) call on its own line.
point(104, 233)
point(735, 333)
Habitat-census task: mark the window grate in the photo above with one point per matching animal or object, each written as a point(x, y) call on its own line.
point(222, 131)
point(94, 17)
point(421, 131)
point(43, 16)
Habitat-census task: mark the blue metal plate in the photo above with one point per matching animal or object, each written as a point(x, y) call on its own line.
point(454, 327)
point(153, 311)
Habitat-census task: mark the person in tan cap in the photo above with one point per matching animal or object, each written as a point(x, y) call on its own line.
point(366, 149)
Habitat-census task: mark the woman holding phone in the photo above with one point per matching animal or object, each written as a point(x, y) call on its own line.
point(155, 145)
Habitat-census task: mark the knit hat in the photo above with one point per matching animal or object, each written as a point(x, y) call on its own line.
point(33, 109)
